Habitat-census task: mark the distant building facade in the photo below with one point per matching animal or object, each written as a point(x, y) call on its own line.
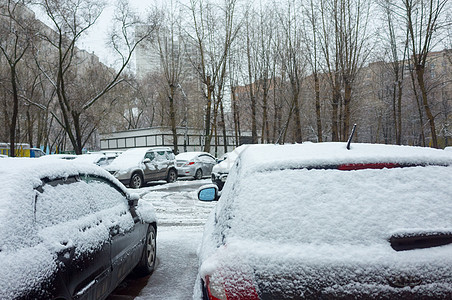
point(189, 139)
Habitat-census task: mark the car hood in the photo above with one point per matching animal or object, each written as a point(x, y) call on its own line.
point(299, 271)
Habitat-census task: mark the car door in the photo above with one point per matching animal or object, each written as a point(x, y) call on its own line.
point(65, 208)
point(208, 163)
point(127, 233)
point(162, 163)
point(150, 170)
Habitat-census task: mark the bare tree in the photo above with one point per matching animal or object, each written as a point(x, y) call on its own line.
point(70, 20)
point(398, 66)
point(293, 63)
point(311, 42)
point(424, 21)
point(17, 28)
point(213, 31)
point(171, 50)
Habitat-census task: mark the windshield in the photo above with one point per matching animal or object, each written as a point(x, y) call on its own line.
point(331, 206)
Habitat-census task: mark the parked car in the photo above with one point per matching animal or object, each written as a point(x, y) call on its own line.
point(36, 152)
point(96, 158)
point(135, 167)
point(69, 231)
point(225, 162)
point(318, 221)
point(58, 156)
point(195, 164)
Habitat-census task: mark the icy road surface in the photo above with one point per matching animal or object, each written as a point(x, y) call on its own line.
point(181, 217)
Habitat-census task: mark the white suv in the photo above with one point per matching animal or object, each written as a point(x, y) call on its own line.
point(135, 167)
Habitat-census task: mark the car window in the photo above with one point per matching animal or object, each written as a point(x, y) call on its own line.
point(207, 158)
point(170, 155)
point(339, 206)
point(149, 155)
point(62, 200)
point(102, 161)
point(160, 155)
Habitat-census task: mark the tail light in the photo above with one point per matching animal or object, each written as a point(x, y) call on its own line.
point(190, 163)
point(242, 289)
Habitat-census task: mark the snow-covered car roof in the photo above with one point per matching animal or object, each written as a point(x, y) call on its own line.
point(91, 158)
point(58, 156)
point(20, 176)
point(189, 155)
point(128, 159)
point(132, 158)
point(285, 205)
point(268, 157)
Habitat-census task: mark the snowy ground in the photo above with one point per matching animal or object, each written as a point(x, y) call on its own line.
point(181, 219)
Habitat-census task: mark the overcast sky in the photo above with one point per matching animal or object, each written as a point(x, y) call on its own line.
point(97, 36)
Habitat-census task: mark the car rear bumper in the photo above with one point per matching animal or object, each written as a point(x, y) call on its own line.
point(185, 171)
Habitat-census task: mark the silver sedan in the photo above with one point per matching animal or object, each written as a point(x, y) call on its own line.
point(195, 164)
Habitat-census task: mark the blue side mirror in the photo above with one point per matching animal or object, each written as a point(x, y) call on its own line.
point(208, 193)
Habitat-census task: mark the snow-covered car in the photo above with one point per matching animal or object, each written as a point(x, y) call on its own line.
point(318, 221)
point(69, 231)
point(96, 158)
point(36, 152)
point(58, 156)
point(195, 164)
point(137, 166)
point(220, 171)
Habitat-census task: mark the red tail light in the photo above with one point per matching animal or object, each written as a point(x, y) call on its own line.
point(243, 290)
point(350, 167)
point(190, 163)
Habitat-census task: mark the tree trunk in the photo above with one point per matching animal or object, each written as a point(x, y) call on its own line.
point(12, 128)
point(173, 118)
point(298, 135)
point(419, 109)
point(223, 126)
point(317, 108)
point(208, 116)
point(399, 113)
point(428, 112)
point(335, 111)
point(347, 113)
point(236, 117)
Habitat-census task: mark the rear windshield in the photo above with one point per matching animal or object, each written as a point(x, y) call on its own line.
point(330, 206)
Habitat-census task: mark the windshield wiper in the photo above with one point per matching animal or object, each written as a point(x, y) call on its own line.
point(411, 241)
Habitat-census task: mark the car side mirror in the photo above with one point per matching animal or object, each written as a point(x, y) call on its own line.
point(208, 193)
point(147, 160)
point(133, 199)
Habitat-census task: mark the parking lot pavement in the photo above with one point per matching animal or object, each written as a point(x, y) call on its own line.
point(181, 217)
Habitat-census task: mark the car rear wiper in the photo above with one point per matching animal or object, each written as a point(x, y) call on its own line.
point(411, 241)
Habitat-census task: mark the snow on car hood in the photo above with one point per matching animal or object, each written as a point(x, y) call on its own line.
point(128, 160)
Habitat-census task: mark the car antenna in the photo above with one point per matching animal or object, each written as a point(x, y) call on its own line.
point(351, 137)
